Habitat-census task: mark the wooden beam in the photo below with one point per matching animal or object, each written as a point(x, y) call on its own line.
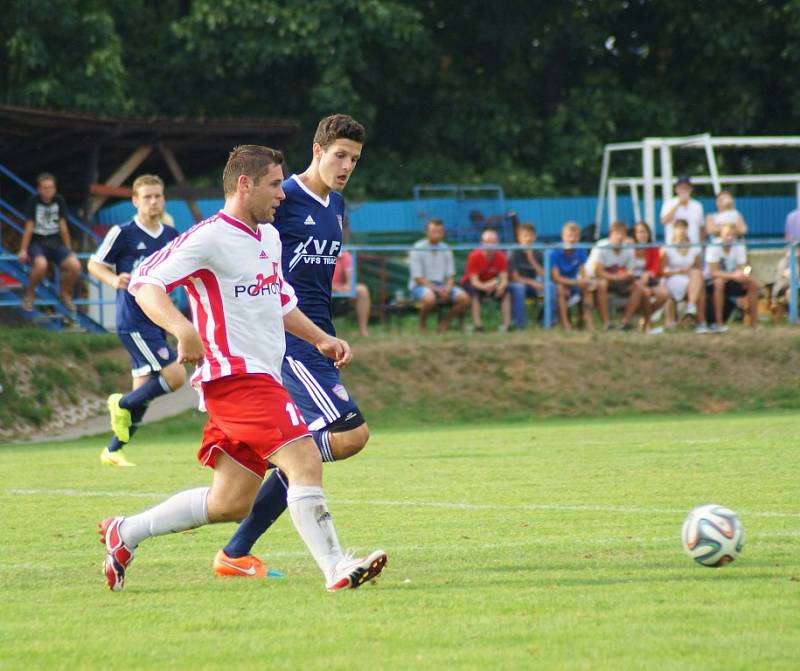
point(180, 178)
point(110, 191)
point(125, 170)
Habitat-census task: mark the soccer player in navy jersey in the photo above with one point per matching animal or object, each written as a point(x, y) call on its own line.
point(310, 224)
point(154, 365)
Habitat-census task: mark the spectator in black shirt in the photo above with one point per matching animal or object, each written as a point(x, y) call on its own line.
point(46, 238)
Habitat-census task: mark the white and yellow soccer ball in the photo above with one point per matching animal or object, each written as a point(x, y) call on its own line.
point(712, 535)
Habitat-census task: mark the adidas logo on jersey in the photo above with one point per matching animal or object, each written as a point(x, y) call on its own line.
point(263, 255)
point(309, 221)
point(141, 245)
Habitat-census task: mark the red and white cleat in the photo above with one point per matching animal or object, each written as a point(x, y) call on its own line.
point(352, 573)
point(118, 555)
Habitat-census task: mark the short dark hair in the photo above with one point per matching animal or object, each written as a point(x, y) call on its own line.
point(44, 177)
point(618, 226)
point(336, 127)
point(681, 222)
point(526, 226)
point(252, 160)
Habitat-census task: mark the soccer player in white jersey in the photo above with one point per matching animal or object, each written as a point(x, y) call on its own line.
point(310, 223)
point(230, 265)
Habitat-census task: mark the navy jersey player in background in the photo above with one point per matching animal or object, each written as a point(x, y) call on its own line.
point(310, 223)
point(153, 362)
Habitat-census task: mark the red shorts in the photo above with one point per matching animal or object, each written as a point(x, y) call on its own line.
point(249, 417)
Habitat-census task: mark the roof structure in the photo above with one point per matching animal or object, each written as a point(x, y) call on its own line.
point(93, 156)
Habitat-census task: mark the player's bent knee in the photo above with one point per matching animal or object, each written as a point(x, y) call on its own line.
point(349, 443)
point(175, 375)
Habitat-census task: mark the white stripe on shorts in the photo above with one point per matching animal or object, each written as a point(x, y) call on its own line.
point(145, 350)
point(320, 398)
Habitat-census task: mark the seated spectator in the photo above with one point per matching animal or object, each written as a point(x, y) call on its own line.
point(647, 269)
point(726, 264)
point(615, 265)
point(683, 278)
point(726, 214)
point(780, 287)
point(343, 284)
point(572, 285)
point(526, 267)
point(432, 280)
point(46, 238)
point(486, 276)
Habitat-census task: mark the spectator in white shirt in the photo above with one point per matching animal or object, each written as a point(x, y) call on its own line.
point(683, 206)
point(683, 278)
point(615, 265)
point(726, 262)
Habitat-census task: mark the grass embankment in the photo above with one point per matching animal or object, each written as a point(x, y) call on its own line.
point(42, 373)
point(404, 378)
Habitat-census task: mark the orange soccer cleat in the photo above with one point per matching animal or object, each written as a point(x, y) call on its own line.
point(248, 566)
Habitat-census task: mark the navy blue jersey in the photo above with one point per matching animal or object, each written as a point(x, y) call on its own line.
point(311, 234)
point(125, 247)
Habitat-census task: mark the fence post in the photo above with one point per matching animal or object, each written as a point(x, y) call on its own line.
point(548, 303)
point(793, 283)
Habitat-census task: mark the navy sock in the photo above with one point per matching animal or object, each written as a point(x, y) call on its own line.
point(116, 444)
point(269, 504)
point(156, 386)
point(322, 439)
point(137, 414)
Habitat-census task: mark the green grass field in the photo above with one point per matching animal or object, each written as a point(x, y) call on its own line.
point(548, 545)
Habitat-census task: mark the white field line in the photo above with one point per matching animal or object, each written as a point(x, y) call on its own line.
point(447, 505)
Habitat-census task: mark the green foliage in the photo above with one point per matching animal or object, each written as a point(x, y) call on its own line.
point(544, 545)
point(449, 91)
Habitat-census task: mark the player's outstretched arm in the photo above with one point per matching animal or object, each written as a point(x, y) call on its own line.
point(159, 308)
point(296, 323)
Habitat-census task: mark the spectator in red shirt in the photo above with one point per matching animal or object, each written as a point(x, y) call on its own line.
point(647, 267)
point(486, 276)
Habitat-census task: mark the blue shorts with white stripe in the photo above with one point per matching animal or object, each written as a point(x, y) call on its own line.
point(316, 388)
point(148, 355)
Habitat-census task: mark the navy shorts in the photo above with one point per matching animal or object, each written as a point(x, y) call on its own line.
point(148, 355)
point(54, 253)
point(316, 388)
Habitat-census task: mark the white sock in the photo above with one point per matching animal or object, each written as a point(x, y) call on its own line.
point(185, 510)
point(314, 524)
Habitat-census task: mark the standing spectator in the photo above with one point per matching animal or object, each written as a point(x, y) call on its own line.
point(526, 267)
point(726, 263)
point(726, 214)
point(791, 229)
point(46, 238)
point(680, 266)
point(569, 274)
point(615, 265)
point(647, 269)
point(486, 276)
point(343, 284)
point(432, 269)
point(683, 206)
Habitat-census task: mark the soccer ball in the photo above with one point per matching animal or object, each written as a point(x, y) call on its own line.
point(712, 535)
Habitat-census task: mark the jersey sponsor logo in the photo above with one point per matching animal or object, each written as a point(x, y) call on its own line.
point(341, 392)
point(263, 285)
point(310, 221)
point(313, 251)
point(163, 353)
point(141, 245)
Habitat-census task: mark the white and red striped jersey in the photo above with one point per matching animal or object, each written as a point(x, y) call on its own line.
point(237, 293)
